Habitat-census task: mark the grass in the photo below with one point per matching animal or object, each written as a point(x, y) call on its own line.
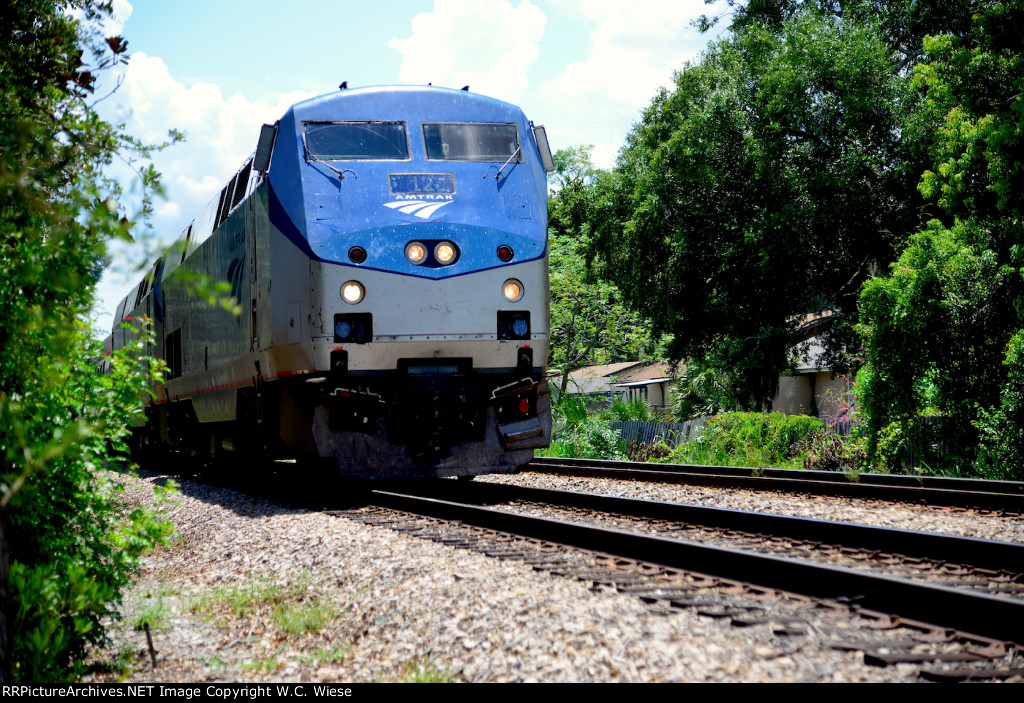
point(301, 618)
point(215, 663)
point(244, 601)
point(263, 666)
point(426, 670)
point(155, 614)
point(123, 664)
point(335, 654)
point(294, 609)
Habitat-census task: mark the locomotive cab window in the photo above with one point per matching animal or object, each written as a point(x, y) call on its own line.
point(472, 141)
point(356, 141)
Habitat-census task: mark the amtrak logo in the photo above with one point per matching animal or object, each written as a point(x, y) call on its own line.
point(421, 206)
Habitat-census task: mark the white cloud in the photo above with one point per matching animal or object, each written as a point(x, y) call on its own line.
point(168, 210)
point(486, 44)
point(221, 132)
point(635, 48)
point(202, 188)
point(110, 26)
point(122, 11)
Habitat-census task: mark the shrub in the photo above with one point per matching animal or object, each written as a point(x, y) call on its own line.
point(750, 439)
point(824, 451)
point(648, 451)
point(70, 547)
point(73, 546)
point(622, 410)
point(590, 439)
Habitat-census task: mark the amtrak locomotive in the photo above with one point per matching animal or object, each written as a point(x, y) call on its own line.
point(388, 249)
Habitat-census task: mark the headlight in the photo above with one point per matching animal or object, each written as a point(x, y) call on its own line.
point(445, 253)
point(416, 253)
point(352, 292)
point(513, 290)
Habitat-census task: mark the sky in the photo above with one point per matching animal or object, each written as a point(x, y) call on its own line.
point(217, 70)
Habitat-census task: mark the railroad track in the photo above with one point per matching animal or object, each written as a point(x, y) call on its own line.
point(952, 606)
point(1005, 497)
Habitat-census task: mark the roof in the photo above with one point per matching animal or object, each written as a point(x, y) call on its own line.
point(588, 386)
point(597, 379)
point(649, 373)
point(810, 324)
point(603, 370)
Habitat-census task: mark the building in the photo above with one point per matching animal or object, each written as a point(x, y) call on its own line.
point(596, 381)
point(648, 382)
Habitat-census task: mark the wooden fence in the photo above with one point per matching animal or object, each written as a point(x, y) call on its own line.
point(669, 433)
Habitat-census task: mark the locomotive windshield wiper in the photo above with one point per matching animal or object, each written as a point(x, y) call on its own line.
point(341, 174)
point(498, 174)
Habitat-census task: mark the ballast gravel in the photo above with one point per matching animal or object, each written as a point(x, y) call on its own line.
point(964, 523)
point(233, 600)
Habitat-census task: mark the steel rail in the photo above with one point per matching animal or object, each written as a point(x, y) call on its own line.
point(936, 490)
point(972, 551)
point(978, 614)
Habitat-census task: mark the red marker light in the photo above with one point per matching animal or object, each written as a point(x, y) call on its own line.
point(357, 255)
point(524, 406)
point(505, 252)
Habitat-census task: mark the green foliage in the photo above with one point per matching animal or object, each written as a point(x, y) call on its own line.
point(71, 546)
point(770, 182)
point(751, 439)
point(1001, 428)
point(592, 438)
point(569, 410)
point(578, 433)
point(571, 182)
point(589, 323)
point(700, 391)
point(74, 547)
point(944, 327)
point(622, 410)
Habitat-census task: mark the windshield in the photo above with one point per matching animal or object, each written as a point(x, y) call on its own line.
point(340, 141)
point(479, 141)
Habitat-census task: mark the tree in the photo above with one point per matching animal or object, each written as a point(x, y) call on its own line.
point(589, 323)
point(70, 549)
point(770, 182)
point(945, 329)
point(572, 184)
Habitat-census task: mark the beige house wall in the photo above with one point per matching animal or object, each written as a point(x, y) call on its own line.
point(794, 395)
point(804, 393)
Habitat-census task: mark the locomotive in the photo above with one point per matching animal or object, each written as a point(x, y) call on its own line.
point(387, 247)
